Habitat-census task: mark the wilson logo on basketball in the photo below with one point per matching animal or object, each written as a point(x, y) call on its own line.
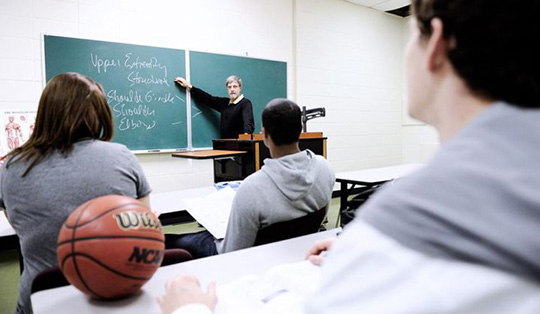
point(146, 256)
point(135, 220)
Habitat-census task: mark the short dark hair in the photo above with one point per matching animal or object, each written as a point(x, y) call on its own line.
point(282, 120)
point(72, 107)
point(496, 50)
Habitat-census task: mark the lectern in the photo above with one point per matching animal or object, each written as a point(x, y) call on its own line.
point(235, 159)
point(238, 167)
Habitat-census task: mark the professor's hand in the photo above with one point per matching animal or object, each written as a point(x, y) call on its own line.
point(183, 82)
point(184, 290)
point(316, 252)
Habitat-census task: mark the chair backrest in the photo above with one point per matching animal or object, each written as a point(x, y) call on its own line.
point(283, 230)
point(174, 256)
point(48, 279)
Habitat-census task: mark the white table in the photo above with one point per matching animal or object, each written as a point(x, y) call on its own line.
point(369, 178)
point(8, 238)
point(220, 269)
point(5, 228)
point(171, 205)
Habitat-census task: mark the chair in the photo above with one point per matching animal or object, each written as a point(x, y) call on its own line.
point(174, 256)
point(284, 230)
point(347, 214)
point(48, 279)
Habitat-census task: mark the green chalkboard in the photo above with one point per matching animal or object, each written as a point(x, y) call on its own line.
point(262, 81)
point(149, 109)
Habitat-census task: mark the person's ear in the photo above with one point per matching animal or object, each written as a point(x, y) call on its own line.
point(267, 140)
point(437, 46)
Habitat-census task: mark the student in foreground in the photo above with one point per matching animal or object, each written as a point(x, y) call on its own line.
point(67, 161)
point(291, 184)
point(461, 234)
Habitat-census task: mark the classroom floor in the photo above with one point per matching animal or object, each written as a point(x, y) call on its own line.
point(9, 260)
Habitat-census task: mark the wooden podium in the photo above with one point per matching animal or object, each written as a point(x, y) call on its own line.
point(239, 167)
point(235, 159)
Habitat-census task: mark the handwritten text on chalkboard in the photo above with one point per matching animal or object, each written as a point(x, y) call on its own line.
point(149, 110)
point(134, 109)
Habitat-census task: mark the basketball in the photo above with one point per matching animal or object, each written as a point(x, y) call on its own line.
point(109, 247)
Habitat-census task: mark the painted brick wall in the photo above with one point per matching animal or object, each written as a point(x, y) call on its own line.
point(261, 29)
point(341, 56)
point(350, 61)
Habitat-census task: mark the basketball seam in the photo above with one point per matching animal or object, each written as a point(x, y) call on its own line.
point(75, 264)
point(108, 237)
point(104, 266)
point(102, 214)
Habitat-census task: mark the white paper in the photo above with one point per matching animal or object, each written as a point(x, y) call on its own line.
point(282, 289)
point(212, 211)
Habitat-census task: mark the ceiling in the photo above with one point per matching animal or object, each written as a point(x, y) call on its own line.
point(397, 7)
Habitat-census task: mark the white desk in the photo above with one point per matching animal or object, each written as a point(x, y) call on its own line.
point(171, 205)
point(168, 202)
point(8, 239)
point(220, 269)
point(5, 228)
point(369, 178)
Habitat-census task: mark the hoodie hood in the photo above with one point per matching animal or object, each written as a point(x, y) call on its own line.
point(293, 175)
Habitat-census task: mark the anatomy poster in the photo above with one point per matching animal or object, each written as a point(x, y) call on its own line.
point(17, 125)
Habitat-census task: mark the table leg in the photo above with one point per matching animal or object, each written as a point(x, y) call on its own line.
point(343, 195)
point(343, 200)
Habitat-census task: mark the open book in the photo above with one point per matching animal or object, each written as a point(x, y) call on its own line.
point(281, 289)
point(212, 211)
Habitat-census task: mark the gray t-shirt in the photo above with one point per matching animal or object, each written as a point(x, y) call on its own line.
point(478, 200)
point(39, 203)
point(285, 188)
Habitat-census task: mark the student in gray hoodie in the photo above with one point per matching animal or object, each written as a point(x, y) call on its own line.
point(292, 184)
